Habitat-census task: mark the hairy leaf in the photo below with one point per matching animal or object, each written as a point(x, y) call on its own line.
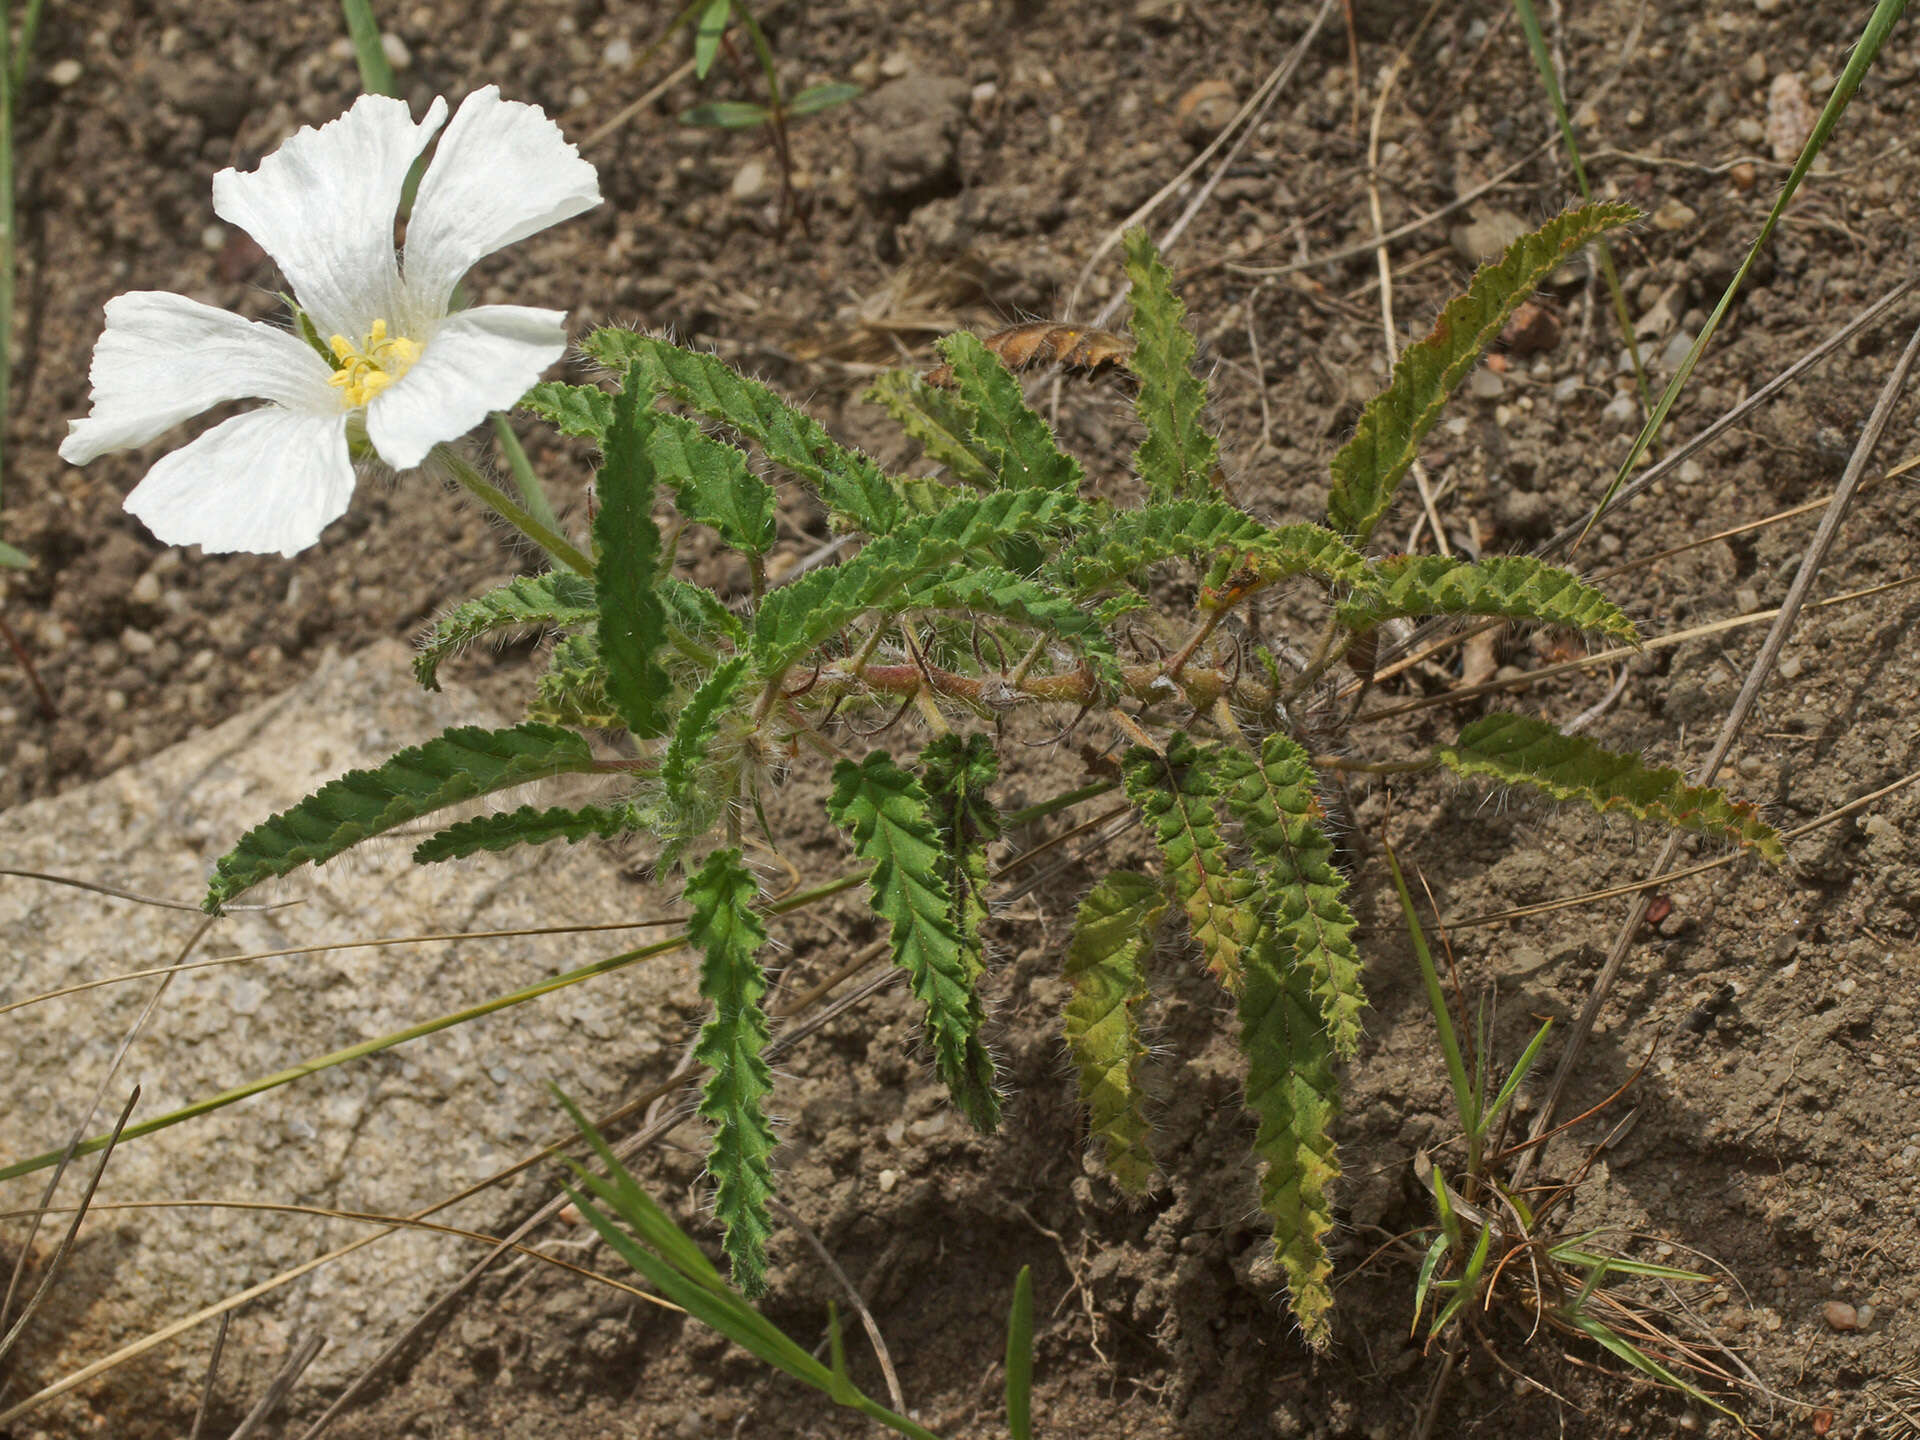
point(694, 728)
point(958, 771)
point(942, 422)
point(1024, 453)
point(1272, 796)
point(1112, 938)
point(1123, 544)
point(728, 934)
point(1518, 749)
point(796, 618)
point(1512, 585)
point(632, 621)
point(583, 410)
point(989, 590)
point(893, 828)
point(460, 764)
point(525, 826)
point(857, 494)
point(1370, 466)
point(558, 598)
point(1175, 793)
point(1293, 1093)
point(697, 612)
point(573, 689)
point(712, 484)
point(1178, 456)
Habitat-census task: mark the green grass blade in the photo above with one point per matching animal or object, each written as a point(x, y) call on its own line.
point(1466, 1101)
point(1543, 63)
point(1020, 1357)
point(1518, 1075)
point(376, 71)
point(1865, 51)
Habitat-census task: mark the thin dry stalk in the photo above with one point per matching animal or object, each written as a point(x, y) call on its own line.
point(1757, 676)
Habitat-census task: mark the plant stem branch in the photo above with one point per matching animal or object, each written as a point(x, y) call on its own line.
point(474, 483)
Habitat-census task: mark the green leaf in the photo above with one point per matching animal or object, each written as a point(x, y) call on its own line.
point(1113, 936)
point(698, 613)
point(1369, 467)
point(1512, 585)
point(632, 620)
point(559, 599)
point(1124, 544)
point(1022, 448)
point(989, 590)
point(894, 829)
point(573, 690)
point(1175, 793)
point(1293, 1093)
point(815, 98)
point(726, 114)
point(693, 795)
point(1178, 457)
point(794, 619)
point(711, 484)
point(525, 826)
point(583, 410)
point(1515, 749)
point(460, 764)
point(1273, 797)
point(939, 420)
point(12, 559)
point(958, 771)
point(1019, 1386)
point(728, 933)
point(707, 34)
point(858, 496)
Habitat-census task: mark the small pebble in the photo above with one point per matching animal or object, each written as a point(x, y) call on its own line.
point(1565, 390)
point(897, 64)
point(213, 239)
point(396, 51)
point(1203, 112)
point(1755, 68)
point(749, 180)
point(1743, 176)
point(1746, 599)
point(888, 1179)
point(63, 72)
point(1486, 385)
point(1840, 1316)
point(1622, 410)
point(618, 54)
point(1790, 667)
point(1674, 214)
point(1676, 350)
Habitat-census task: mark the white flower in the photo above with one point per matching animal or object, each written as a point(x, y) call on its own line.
point(323, 206)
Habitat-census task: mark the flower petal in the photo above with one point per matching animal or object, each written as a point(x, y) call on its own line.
point(480, 360)
point(164, 358)
point(501, 172)
point(268, 480)
point(323, 207)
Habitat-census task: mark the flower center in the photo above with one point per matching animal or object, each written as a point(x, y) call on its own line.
point(365, 370)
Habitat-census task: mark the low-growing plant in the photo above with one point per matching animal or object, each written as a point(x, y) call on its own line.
point(1002, 588)
point(643, 1235)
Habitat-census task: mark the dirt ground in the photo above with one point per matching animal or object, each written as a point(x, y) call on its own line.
point(1777, 1121)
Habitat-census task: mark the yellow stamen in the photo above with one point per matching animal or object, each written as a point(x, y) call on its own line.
point(366, 370)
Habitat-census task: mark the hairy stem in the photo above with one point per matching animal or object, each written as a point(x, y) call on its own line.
point(474, 483)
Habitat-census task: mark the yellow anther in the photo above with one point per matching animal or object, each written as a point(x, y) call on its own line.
point(366, 370)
